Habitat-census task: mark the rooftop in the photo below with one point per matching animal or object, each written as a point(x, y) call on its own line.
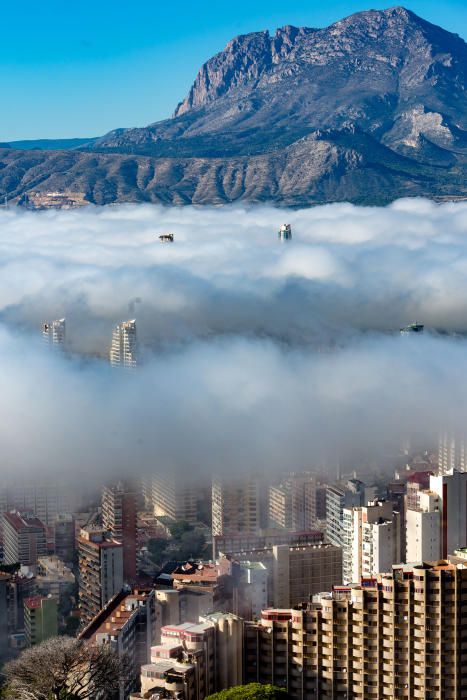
point(116, 613)
point(256, 565)
point(34, 602)
point(187, 628)
point(195, 572)
point(20, 521)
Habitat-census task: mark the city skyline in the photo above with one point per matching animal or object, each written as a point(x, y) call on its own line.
point(234, 351)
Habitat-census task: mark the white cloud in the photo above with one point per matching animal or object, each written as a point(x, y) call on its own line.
point(258, 353)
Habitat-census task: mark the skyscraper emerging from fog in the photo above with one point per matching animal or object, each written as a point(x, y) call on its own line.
point(292, 503)
point(54, 333)
point(452, 453)
point(235, 506)
point(174, 498)
point(124, 348)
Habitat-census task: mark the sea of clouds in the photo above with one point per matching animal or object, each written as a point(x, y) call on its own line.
point(255, 354)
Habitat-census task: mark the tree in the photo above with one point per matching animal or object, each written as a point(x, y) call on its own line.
point(179, 528)
point(156, 549)
point(63, 668)
point(190, 545)
point(253, 691)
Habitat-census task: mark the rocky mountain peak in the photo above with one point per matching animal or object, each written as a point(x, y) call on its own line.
point(253, 59)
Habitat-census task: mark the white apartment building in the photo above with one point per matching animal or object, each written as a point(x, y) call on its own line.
point(54, 333)
point(452, 453)
point(173, 497)
point(292, 503)
point(124, 348)
point(371, 542)
point(423, 529)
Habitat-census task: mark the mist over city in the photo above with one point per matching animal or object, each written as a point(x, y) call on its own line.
point(233, 345)
point(254, 353)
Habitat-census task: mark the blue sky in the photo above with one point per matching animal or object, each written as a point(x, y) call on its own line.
point(81, 69)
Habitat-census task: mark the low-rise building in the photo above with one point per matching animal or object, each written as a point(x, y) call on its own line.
point(195, 660)
point(54, 578)
point(177, 605)
point(253, 590)
point(127, 624)
point(40, 619)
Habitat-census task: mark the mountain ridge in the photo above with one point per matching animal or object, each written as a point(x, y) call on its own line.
point(371, 108)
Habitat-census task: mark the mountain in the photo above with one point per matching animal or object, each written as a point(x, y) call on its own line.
point(49, 144)
point(369, 109)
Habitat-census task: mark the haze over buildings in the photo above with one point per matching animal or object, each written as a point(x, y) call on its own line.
point(234, 449)
point(247, 318)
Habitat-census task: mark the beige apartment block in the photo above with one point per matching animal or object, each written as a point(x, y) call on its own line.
point(397, 635)
point(174, 498)
point(297, 573)
point(235, 506)
point(292, 503)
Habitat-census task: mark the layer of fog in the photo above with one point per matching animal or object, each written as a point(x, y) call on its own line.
point(254, 355)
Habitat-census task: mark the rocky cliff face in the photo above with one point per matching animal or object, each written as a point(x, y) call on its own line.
point(370, 108)
point(244, 62)
point(393, 52)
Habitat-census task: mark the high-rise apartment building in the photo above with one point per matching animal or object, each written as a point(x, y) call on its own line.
point(241, 546)
point(65, 537)
point(452, 453)
point(396, 492)
point(297, 573)
point(174, 498)
point(24, 539)
point(352, 494)
point(124, 348)
point(45, 499)
point(451, 490)
point(20, 586)
point(40, 619)
point(292, 503)
point(398, 635)
point(100, 571)
point(423, 528)
point(371, 542)
point(5, 603)
point(235, 506)
point(119, 520)
point(416, 483)
point(54, 333)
